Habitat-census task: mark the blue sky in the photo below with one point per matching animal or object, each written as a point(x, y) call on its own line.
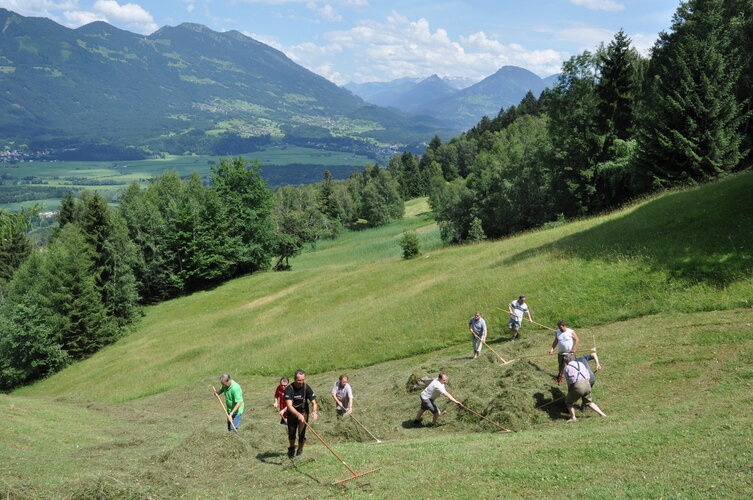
point(380, 40)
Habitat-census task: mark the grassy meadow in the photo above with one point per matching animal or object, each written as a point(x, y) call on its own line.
point(663, 290)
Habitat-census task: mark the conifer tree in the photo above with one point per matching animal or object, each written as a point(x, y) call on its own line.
point(616, 88)
point(247, 206)
point(690, 130)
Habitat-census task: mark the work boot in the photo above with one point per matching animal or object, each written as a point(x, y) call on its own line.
point(298, 452)
point(291, 451)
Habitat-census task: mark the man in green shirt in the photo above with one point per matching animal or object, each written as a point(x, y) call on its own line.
point(233, 400)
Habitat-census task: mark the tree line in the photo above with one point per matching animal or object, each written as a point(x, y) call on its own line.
point(616, 126)
point(82, 290)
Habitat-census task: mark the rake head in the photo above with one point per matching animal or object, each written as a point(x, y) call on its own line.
point(357, 476)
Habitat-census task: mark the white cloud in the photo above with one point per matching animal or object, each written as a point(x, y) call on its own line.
point(328, 13)
point(587, 37)
point(80, 17)
point(400, 47)
point(131, 15)
point(39, 8)
point(268, 40)
point(609, 5)
point(643, 42)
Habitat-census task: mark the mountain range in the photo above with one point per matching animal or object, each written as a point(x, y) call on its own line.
point(184, 86)
point(102, 84)
point(458, 107)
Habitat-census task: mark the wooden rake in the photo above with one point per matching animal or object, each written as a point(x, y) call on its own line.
point(224, 410)
point(350, 469)
point(504, 361)
point(378, 441)
point(504, 429)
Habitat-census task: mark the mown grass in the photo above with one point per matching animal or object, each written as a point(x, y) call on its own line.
point(354, 302)
point(677, 426)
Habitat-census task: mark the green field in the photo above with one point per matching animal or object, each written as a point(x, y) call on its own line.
point(122, 173)
point(666, 302)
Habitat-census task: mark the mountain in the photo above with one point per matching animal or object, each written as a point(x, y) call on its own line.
point(459, 82)
point(504, 88)
point(400, 93)
point(102, 84)
point(383, 93)
point(424, 92)
point(457, 102)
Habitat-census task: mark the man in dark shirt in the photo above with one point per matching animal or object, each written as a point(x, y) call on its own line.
point(297, 397)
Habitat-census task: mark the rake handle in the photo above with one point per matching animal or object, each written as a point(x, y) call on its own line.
point(330, 449)
point(232, 424)
point(487, 419)
point(550, 402)
point(362, 427)
point(490, 347)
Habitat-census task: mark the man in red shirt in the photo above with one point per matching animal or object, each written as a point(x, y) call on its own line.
point(279, 402)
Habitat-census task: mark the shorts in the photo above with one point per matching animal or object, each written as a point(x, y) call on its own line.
point(580, 389)
point(428, 404)
point(477, 343)
point(294, 428)
point(514, 323)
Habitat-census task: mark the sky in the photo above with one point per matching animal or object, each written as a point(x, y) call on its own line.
point(381, 40)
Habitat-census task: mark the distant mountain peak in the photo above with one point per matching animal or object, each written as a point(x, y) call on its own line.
point(194, 27)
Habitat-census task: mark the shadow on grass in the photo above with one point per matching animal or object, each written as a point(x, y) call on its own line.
point(267, 457)
point(554, 401)
point(698, 235)
point(288, 463)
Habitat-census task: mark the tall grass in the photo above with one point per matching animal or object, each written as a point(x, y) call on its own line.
point(354, 302)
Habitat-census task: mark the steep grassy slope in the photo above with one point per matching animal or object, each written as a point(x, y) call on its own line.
point(354, 302)
point(676, 388)
point(667, 305)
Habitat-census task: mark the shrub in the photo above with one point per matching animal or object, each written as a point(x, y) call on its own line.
point(411, 247)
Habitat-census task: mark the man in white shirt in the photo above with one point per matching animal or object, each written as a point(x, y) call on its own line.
point(477, 327)
point(432, 391)
point(517, 308)
point(343, 396)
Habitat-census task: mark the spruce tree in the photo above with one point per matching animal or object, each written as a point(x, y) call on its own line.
point(247, 206)
point(690, 130)
point(616, 88)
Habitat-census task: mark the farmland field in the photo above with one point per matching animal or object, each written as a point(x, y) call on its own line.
point(280, 165)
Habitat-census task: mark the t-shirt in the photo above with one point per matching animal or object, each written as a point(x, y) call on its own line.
point(280, 397)
point(433, 390)
point(300, 396)
point(233, 394)
point(478, 326)
point(564, 339)
point(518, 309)
point(585, 360)
point(575, 371)
point(344, 393)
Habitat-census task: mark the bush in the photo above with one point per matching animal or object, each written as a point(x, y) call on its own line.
point(411, 247)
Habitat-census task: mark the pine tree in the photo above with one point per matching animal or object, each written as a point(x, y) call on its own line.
point(15, 246)
point(616, 88)
point(690, 131)
point(247, 208)
point(61, 283)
